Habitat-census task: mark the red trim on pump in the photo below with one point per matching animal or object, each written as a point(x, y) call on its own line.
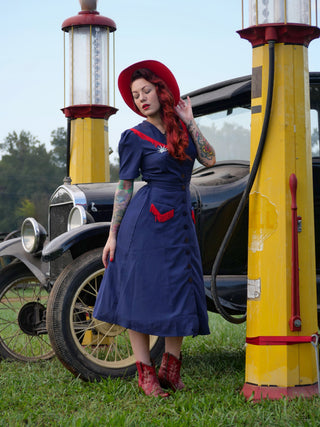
point(256, 392)
point(281, 340)
point(87, 18)
point(299, 34)
point(95, 111)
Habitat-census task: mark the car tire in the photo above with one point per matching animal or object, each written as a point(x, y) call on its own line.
point(89, 348)
point(23, 334)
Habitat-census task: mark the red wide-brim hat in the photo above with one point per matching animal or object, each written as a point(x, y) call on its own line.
point(124, 81)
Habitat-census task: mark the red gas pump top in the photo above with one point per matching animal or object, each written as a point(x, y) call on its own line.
point(86, 18)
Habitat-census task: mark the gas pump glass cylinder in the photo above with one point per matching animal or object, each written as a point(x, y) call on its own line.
point(89, 74)
point(279, 12)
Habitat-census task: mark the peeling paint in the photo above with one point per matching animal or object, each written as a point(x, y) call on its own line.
point(263, 223)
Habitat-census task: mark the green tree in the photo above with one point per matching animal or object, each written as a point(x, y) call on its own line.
point(114, 170)
point(27, 172)
point(59, 143)
point(25, 209)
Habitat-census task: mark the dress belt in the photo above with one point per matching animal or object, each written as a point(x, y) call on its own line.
point(173, 186)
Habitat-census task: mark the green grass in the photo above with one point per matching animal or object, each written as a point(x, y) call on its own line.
point(46, 394)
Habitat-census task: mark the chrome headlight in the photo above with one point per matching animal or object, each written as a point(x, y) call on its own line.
point(33, 235)
point(78, 216)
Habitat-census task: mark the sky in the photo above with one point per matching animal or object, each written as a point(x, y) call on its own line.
point(198, 41)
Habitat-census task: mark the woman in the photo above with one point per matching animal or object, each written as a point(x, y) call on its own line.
point(153, 284)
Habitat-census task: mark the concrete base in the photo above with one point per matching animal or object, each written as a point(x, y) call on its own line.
point(275, 393)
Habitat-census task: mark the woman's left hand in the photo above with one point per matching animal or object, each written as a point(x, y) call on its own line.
point(184, 110)
point(206, 154)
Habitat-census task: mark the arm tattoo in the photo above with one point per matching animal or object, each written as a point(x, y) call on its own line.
point(205, 151)
point(122, 199)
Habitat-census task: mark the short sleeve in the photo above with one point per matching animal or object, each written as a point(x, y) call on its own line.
point(130, 153)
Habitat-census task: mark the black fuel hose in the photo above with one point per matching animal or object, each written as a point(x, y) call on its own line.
point(68, 146)
point(245, 195)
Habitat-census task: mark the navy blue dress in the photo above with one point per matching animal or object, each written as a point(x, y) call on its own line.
point(155, 283)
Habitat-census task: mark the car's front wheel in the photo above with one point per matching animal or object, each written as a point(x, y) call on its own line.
point(89, 348)
point(23, 300)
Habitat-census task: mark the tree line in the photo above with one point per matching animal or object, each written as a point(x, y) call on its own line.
point(29, 174)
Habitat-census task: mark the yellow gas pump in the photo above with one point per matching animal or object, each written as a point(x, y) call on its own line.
point(282, 314)
point(89, 88)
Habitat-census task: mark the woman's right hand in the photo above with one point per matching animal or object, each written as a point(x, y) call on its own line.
point(109, 251)
point(122, 198)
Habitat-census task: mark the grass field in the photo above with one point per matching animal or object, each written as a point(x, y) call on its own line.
point(46, 394)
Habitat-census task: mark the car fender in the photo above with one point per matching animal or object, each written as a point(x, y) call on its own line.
point(14, 248)
point(70, 239)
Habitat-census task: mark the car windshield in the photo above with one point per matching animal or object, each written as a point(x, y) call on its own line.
point(315, 133)
point(229, 132)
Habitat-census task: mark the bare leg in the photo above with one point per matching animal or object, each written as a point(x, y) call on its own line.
point(140, 346)
point(173, 345)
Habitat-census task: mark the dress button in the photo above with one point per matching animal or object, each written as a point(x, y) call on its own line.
point(182, 175)
point(189, 266)
point(186, 240)
point(190, 279)
point(183, 187)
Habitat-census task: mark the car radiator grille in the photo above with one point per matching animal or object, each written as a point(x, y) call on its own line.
point(59, 219)
point(58, 225)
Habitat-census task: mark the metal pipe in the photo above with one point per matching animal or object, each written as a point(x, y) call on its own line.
point(285, 11)
point(309, 12)
point(108, 64)
point(114, 69)
point(242, 17)
point(90, 72)
point(64, 69)
point(72, 58)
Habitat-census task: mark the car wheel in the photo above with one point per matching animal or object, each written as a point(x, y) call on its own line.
point(23, 334)
point(89, 348)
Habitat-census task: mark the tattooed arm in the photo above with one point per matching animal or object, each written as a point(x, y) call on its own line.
point(122, 199)
point(206, 154)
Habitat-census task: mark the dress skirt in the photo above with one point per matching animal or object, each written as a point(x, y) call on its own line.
point(155, 283)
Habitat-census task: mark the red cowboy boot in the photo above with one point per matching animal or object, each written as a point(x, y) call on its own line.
point(169, 372)
point(148, 380)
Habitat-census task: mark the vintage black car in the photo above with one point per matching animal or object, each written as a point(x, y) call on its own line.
point(48, 291)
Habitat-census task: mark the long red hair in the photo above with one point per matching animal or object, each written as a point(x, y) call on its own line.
point(177, 137)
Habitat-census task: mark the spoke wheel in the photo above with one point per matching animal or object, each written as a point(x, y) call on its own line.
point(23, 334)
point(89, 348)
